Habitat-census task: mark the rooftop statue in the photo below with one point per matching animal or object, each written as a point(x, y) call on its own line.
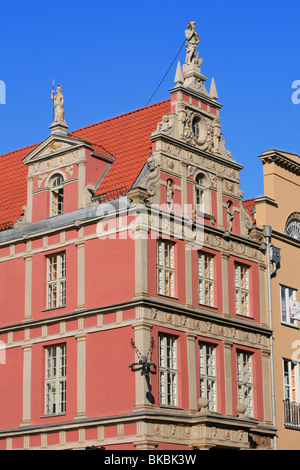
point(58, 105)
point(193, 40)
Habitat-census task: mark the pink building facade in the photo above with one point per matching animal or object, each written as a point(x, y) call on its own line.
point(132, 297)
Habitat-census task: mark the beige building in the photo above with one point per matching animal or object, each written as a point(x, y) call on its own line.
point(278, 212)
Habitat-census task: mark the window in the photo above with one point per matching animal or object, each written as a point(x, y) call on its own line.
point(56, 280)
point(167, 370)
point(208, 378)
point(206, 279)
point(245, 381)
point(55, 383)
point(196, 127)
point(287, 296)
point(242, 294)
point(165, 268)
point(292, 227)
point(291, 393)
point(200, 193)
point(57, 195)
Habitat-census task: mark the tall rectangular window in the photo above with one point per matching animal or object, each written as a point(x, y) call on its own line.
point(291, 393)
point(56, 280)
point(55, 380)
point(287, 296)
point(165, 268)
point(206, 279)
point(242, 290)
point(168, 370)
point(200, 194)
point(245, 381)
point(208, 374)
point(57, 195)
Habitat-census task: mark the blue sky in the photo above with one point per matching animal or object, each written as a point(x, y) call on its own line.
point(111, 56)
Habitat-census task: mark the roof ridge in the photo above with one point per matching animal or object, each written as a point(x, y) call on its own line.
point(90, 125)
point(120, 116)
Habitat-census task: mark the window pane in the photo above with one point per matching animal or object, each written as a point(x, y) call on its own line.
point(208, 379)
point(242, 293)
point(167, 370)
point(56, 280)
point(245, 381)
point(205, 279)
point(165, 268)
point(55, 386)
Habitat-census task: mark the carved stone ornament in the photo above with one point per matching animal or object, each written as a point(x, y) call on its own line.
point(246, 221)
point(292, 226)
point(191, 170)
point(230, 215)
point(22, 220)
point(150, 179)
point(222, 150)
point(187, 127)
point(88, 193)
point(165, 125)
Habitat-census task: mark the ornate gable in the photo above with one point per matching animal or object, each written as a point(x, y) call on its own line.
point(188, 143)
point(55, 151)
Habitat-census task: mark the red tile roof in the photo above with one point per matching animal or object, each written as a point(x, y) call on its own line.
point(248, 205)
point(13, 186)
point(125, 137)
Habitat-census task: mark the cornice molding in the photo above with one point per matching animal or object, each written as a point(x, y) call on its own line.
point(281, 159)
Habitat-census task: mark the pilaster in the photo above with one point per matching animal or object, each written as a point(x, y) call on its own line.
point(27, 353)
point(228, 377)
point(80, 244)
point(28, 286)
point(81, 376)
point(142, 339)
point(191, 339)
point(225, 283)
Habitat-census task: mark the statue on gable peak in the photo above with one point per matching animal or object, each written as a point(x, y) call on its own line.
point(193, 39)
point(58, 105)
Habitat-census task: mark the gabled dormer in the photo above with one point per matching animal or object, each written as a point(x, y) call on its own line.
point(63, 172)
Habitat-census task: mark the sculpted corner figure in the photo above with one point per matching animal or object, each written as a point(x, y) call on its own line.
point(193, 40)
point(230, 216)
point(58, 104)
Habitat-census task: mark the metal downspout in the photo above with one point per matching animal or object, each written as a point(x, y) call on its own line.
point(267, 234)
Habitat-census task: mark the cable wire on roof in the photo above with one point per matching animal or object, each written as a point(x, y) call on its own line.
point(166, 72)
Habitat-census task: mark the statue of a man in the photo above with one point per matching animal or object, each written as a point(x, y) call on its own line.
point(58, 104)
point(170, 194)
point(230, 216)
point(193, 40)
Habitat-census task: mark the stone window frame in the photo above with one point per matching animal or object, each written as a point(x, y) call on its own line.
point(55, 379)
point(240, 290)
point(245, 380)
point(56, 280)
point(203, 279)
point(56, 194)
point(208, 378)
point(205, 187)
point(165, 268)
point(168, 370)
point(288, 320)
